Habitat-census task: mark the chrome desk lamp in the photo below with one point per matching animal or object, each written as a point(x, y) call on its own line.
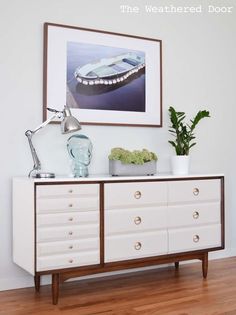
point(68, 124)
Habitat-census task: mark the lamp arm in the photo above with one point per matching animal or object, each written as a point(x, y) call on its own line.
point(46, 122)
point(37, 163)
point(29, 134)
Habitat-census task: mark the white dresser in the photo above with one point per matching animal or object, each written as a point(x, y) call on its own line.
point(69, 227)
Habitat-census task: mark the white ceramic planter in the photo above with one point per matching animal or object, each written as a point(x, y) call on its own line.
point(180, 164)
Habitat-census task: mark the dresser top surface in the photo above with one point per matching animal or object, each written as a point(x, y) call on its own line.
point(109, 178)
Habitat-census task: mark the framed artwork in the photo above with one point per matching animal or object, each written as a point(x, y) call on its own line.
point(105, 78)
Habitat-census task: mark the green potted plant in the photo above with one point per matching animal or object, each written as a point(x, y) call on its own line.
point(184, 138)
point(137, 162)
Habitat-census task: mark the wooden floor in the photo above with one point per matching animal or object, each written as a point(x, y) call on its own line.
point(162, 291)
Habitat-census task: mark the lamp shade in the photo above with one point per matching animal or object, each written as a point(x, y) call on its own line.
point(69, 123)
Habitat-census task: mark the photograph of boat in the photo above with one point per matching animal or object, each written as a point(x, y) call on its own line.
point(109, 71)
point(105, 78)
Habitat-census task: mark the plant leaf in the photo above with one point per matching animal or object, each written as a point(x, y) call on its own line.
point(200, 115)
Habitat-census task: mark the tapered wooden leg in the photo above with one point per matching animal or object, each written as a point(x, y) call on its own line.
point(205, 265)
point(37, 283)
point(177, 265)
point(55, 288)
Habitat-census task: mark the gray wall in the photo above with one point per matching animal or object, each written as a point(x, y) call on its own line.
point(199, 70)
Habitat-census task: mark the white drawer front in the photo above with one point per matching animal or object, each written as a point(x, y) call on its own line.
point(67, 218)
point(67, 204)
point(189, 239)
point(135, 194)
point(124, 247)
point(67, 232)
point(194, 214)
point(67, 247)
point(75, 190)
point(135, 220)
point(68, 261)
point(194, 190)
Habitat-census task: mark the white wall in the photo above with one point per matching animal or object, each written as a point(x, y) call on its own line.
point(199, 71)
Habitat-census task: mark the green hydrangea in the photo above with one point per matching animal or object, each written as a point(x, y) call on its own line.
point(135, 157)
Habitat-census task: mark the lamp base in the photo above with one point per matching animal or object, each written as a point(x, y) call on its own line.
point(44, 175)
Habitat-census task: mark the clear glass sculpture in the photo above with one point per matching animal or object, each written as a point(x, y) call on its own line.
point(80, 150)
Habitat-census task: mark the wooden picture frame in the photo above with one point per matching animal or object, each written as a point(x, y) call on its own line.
point(105, 78)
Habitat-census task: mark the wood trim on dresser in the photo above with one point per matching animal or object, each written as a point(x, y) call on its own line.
point(102, 254)
point(67, 183)
point(222, 212)
point(205, 265)
point(150, 179)
point(61, 275)
point(135, 264)
point(130, 264)
point(37, 282)
point(55, 287)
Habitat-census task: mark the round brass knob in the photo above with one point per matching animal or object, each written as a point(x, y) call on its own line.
point(196, 238)
point(70, 233)
point(137, 194)
point(196, 191)
point(71, 261)
point(137, 220)
point(70, 205)
point(71, 191)
point(196, 215)
point(71, 247)
point(71, 219)
point(138, 246)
